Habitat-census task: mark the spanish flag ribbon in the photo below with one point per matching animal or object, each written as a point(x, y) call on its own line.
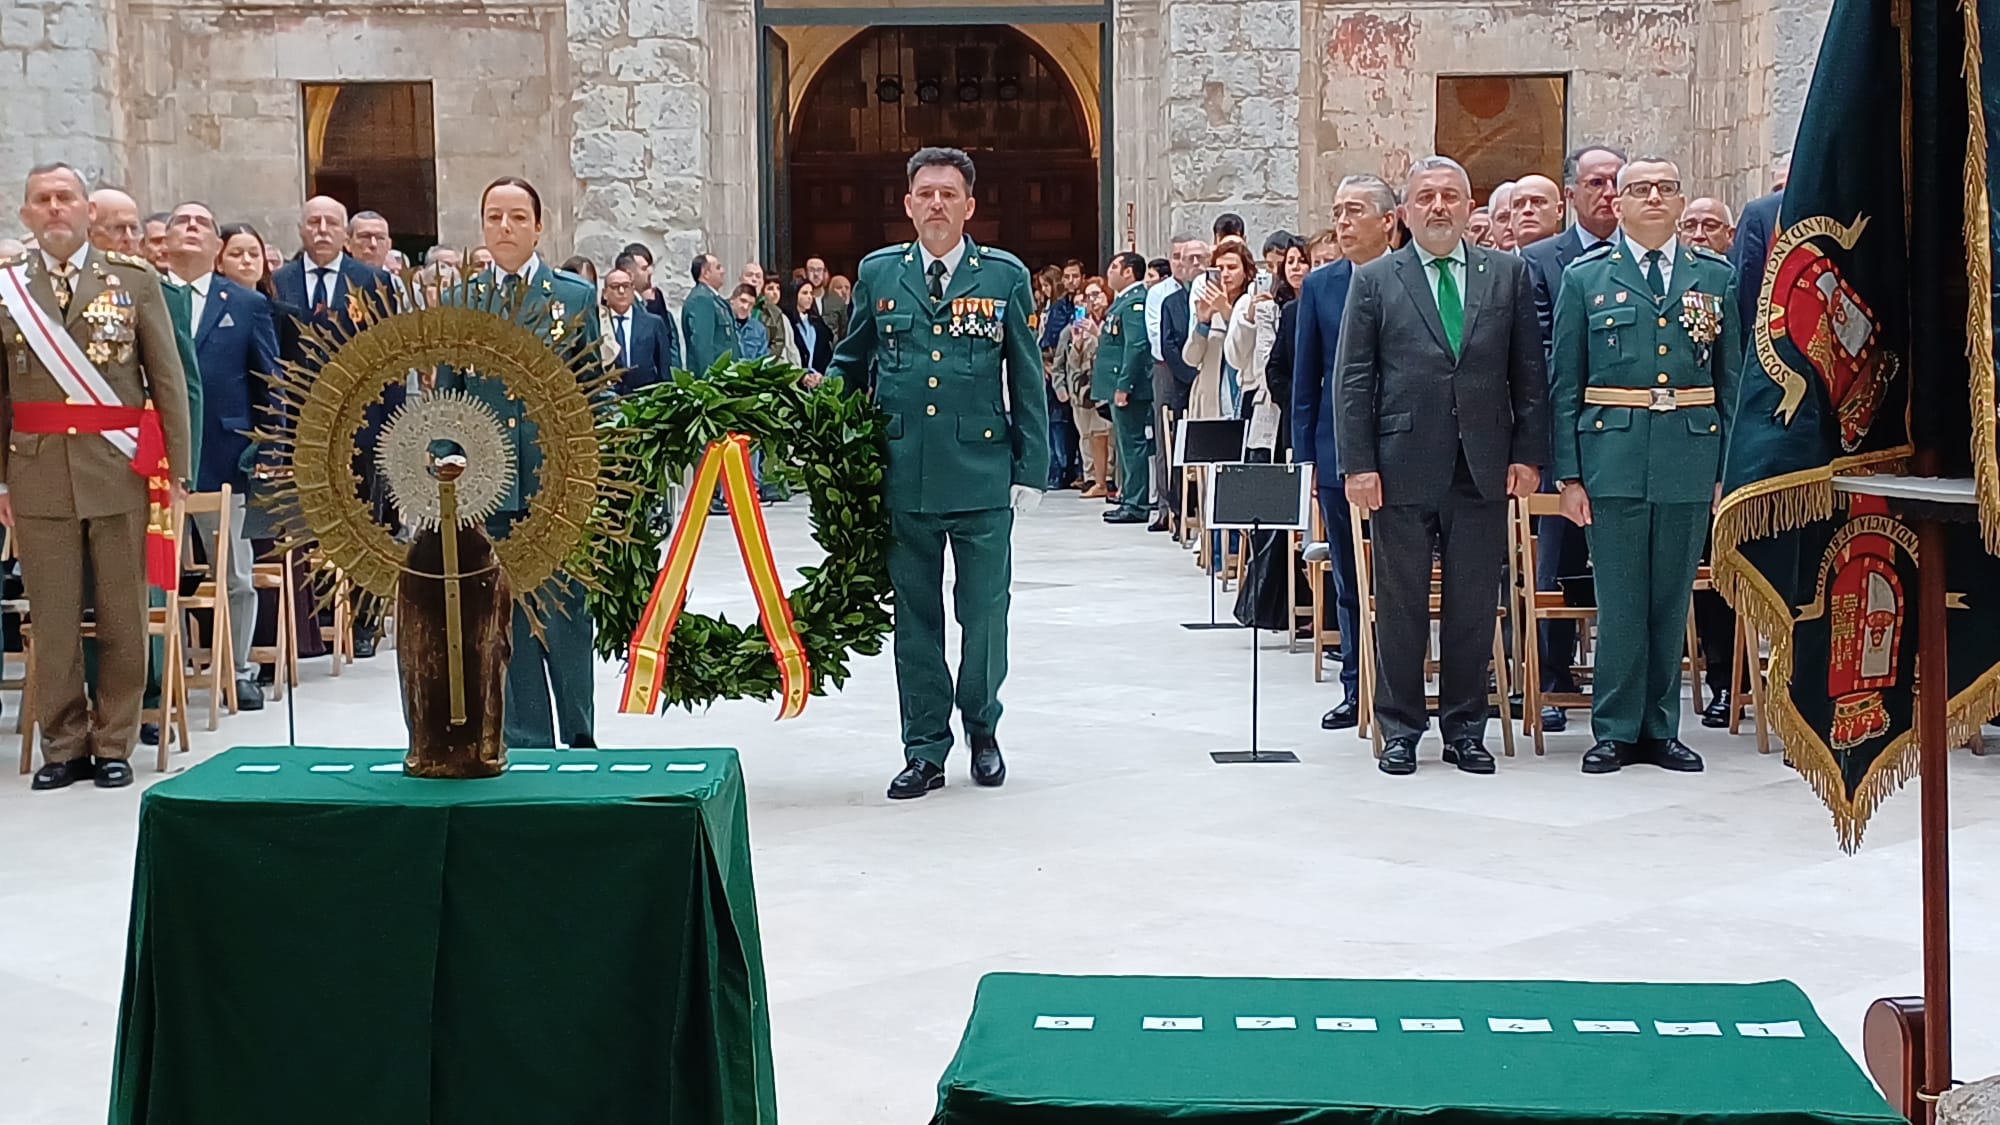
point(727, 462)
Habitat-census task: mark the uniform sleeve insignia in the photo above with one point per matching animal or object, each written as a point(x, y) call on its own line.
point(1034, 322)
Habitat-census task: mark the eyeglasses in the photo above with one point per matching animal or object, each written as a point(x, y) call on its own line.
point(1705, 226)
point(1598, 183)
point(1640, 189)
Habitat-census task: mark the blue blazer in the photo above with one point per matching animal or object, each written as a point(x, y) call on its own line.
point(647, 357)
point(1547, 258)
point(1322, 299)
point(1750, 253)
point(356, 285)
point(236, 345)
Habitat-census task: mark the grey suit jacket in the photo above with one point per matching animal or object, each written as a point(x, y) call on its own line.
point(1405, 407)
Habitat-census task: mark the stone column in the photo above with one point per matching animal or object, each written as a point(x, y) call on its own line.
point(1135, 143)
point(1233, 113)
point(59, 75)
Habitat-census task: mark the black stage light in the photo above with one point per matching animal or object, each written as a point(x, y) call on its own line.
point(929, 90)
point(889, 88)
point(968, 90)
point(1009, 87)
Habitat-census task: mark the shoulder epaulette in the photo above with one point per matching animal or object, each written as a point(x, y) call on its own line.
point(565, 275)
point(994, 253)
point(886, 252)
point(1705, 252)
point(1603, 251)
point(124, 259)
point(10, 263)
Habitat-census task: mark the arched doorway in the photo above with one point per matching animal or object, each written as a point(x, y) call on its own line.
point(990, 90)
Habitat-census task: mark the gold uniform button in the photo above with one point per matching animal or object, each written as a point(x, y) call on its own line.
point(931, 409)
point(72, 431)
point(512, 422)
point(1711, 427)
point(937, 329)
point(1663, 376)
point(888, 330)
point(935, 356)
point(1608, 322)
point(1663, 322)
point(1663, 349)
point(1600, 423)
point(989, 433)
point(933, 380)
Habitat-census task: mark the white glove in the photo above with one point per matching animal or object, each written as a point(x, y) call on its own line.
point(1023, 499)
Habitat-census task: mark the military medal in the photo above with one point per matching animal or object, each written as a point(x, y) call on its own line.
point(1701, 315)
point(556, 314)
point(1620, 296)
point(1597, 300)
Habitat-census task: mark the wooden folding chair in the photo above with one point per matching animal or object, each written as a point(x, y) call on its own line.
point(1694, 663)
point(16, 608)
point(283, 655)
point(1746, 665)
point(1532, 607)
point(211, 593)
point(1364, 574)
point(339, 636)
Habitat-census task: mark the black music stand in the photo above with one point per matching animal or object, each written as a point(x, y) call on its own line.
point(1208, 442)
point(1256, 498)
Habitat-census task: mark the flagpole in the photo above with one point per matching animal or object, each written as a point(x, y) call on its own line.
point(1933, 693)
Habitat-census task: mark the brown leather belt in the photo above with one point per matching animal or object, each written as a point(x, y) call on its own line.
point(1662, 399)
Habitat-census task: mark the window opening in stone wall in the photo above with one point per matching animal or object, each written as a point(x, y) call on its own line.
point(1503, 126)
point(373, 146)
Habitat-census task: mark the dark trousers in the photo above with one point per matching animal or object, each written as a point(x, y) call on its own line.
point(1469, 535)
point(1131, 425)
point(1346, 606)
point(982, 555)
point(561, 662)
point(1646, 558)
point(1715, 629)
point(1065, 458)
point(1561, 551)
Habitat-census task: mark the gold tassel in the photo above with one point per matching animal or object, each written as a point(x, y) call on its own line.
point(1979, 289)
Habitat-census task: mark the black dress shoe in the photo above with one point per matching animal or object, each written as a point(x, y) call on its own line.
point(1122, 515)
point(249, 697)
point(149, 733)
point(1606, 757)
point(364, 646)
point(988, 767)
point(917, 779)
point(1555, 720)
point(582, 741)
point(1160, 524)
point(1399, 757)
point(1468, 755)
point(1670, 754)
point(1716, 715)
point(61, 775)
point(113, 774)
point(1343, 717)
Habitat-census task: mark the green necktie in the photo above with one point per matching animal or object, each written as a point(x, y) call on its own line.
point(936, 272)
point(1451, 308)
point(1654, 277)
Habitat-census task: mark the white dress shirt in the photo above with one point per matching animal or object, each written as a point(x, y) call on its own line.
point(315, 296)
point(526, 273)
point(1156, 299)
point(1457, 268)
point(1667, 252)
point(73, 263)
point(197, 294)
point(951, 260)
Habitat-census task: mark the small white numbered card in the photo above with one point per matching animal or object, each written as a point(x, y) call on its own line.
point(1267, 1023)
point(1433, 1025)
point(1065, 1023)
point(1788, 1029)
point(1687, 1027)
point(1517, 1026)
point(1345, 1023)
point(1608, 1027)
point(1171, 1023)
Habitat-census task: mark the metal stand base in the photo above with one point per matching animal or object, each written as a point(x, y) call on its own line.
point(1204, 626)
point(1251, 757)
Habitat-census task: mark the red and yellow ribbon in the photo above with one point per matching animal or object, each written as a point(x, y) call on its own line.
point(726, 462)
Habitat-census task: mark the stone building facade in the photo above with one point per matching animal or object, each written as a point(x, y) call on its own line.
point(645, 118)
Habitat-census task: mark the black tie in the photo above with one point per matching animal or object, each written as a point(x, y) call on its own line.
point(322, 288)
point(621, 334)
point(1654, 277)
point(936, 273)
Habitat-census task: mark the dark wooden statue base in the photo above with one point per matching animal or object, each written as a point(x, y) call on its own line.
point(439, 747)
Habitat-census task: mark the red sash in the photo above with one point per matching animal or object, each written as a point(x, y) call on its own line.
point(150, 462)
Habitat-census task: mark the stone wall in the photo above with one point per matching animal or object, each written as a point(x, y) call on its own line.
point(1232, 82)
point(61, 87)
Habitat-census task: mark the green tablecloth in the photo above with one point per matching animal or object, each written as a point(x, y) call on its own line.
point(318, 940)
point(1116, 1071)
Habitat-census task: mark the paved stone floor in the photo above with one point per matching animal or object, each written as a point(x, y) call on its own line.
point(1118, 847)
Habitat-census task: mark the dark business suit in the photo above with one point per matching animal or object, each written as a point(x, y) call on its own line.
point(1561, 548)
point(360, 293)
point(642, 353)
point(1173, 381)
point(818, 353)
point(1322, 299)
point(1441, 429)
point(1750, 252)
point(657, 305)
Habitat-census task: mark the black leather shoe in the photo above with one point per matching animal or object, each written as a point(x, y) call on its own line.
point(1606, 757)
point(249, 697)
point(1670, 754)
point(1555, 720)
point(988, 767)
point(1343, 717)
point(1120, 515)
point(582, 741)
point(149, 733)
point(1399, 757)
point(61, 775)
point(113, 774)
point(1160, 524)
point(1468, 755)
point(1716, 715)
point(917, 779)
point(364, 645)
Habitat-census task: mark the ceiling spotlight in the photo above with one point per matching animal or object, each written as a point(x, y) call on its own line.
point(929, 90)
point(1009, 87)
point(889, 88)
point(968, 90)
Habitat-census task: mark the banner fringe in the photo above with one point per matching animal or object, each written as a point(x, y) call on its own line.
point(1979, 289)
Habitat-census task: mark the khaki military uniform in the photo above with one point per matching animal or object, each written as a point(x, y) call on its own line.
point(80, 512)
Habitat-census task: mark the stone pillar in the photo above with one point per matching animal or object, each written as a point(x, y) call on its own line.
point(1232, 69)
point(1136, 141)
point(59, 75)
point(1796, 29)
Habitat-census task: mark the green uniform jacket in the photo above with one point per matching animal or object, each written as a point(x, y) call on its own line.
point(710, 328)
point(1609, 333)
point(953, 447)
point(555, 298)
point(1124, 359)
point(180, 302)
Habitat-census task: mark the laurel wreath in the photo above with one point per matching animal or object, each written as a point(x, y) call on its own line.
point(834, 440)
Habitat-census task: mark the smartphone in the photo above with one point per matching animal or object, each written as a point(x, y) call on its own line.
point(1264, 281)
point(1213, 275)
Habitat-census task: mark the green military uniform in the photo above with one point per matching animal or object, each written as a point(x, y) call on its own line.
point(563, 306)
point(1649, 468)
point(710, 328)
point(1125, 363)
point(947, 371)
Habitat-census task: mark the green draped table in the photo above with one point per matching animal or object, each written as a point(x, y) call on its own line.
point(1052, 1050)
point(318, 940)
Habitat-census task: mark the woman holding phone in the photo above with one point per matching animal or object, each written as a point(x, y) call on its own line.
point(1215, 394)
